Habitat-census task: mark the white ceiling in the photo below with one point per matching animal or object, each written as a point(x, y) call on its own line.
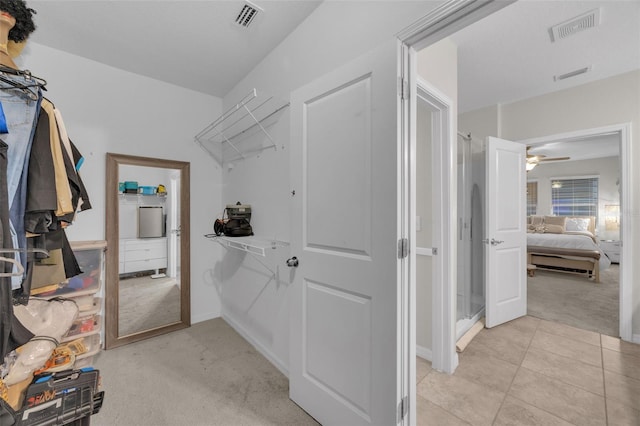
point(505, 57)
point(586, 148)
point(509, 55)
point(193, 44)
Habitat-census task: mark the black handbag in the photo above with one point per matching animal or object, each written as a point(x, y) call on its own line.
point(235, 225)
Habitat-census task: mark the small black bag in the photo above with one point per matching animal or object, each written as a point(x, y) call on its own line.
point(237, 224)
point(237, 228)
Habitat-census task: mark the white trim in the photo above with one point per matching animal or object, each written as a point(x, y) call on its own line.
point(444, 205)
point(447, 19)
point(636, 338)
point(257, 345)
point(406, 221)
point(627, 202)
point(424, 353)
point(569, 177)
point(205, 316)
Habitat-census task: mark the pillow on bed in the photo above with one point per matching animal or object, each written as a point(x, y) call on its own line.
point(535, 220)
point(556, 220)
point(577, 224)
point(553, 229)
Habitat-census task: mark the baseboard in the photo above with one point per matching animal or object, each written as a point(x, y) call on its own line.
point(204, 317)
point(635, 338)
point(259, 346)
point(424, 353)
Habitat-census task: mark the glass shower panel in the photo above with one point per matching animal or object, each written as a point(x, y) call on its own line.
point(471, 178)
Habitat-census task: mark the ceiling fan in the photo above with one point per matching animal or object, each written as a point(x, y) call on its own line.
point(535, 159)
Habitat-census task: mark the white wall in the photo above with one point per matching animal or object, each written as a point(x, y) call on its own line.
point(438, 66)
point(608, 172)
point(109, 110)
point(334, 33)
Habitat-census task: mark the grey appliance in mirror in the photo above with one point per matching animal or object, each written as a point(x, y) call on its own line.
point(148, 259)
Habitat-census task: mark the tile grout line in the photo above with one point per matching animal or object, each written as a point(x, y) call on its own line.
point(437, 405)
point(506, 394)
point(604, 384)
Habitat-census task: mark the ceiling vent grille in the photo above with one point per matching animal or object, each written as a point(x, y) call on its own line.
point(571, 74)
point(568, 28)
point(247, 14)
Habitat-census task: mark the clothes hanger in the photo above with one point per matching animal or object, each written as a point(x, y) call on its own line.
point(29, 250)
point(16, 262)
point(26, 88)
point(25, 73)
point(17, 273)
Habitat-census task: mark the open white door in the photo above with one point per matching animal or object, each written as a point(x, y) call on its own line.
point(506, 238)
point(344, 346)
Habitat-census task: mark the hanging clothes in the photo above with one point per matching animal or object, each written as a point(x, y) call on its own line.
point(20, 106)
point(6, 304)
point(40, 193)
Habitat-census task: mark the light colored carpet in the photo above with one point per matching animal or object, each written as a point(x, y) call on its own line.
point(206, 374)
point(146, 303)
point(576, 301)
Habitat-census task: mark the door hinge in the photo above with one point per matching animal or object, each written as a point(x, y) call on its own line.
point(403, 248)
point(403, 88)
point(403, 408)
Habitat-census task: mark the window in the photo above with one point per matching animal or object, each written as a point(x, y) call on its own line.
point(532, 198)
point(575, 197)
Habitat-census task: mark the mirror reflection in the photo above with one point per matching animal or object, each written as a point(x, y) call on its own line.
point(147, 272)
point(149, 235)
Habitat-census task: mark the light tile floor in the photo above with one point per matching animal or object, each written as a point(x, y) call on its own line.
point(535, 372)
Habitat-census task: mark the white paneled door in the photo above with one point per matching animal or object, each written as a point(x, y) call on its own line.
point(506, 238)
point(344, 308)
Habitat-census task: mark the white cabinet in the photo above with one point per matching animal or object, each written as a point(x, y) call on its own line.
point(612, 249)
point(142, 254)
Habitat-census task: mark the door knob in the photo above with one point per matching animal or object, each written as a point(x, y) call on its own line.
point(493, 241)
point(292, 262)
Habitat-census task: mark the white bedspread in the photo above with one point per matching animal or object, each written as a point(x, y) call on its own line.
point(569, 241)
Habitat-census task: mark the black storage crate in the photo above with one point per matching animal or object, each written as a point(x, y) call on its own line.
point(61, 398)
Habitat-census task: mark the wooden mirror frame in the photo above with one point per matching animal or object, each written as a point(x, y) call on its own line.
point(112, 230)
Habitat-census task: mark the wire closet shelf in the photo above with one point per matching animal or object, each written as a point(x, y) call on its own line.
point(241, 131)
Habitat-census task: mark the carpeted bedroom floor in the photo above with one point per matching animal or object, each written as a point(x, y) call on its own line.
point(576, 301)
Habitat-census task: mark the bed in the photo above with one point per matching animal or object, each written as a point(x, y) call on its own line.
point(565, 244)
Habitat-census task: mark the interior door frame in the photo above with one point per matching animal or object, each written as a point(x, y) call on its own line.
point(443, 325)
point(439, 23)
point(623, 131)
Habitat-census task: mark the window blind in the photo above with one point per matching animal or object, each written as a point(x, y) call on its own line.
point(532, 198)
point(575, 197)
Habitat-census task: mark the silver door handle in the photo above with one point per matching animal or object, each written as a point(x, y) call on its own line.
point(493, 241)
point(292, 262)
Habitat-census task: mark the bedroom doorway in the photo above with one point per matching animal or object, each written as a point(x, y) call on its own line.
point(603, 307)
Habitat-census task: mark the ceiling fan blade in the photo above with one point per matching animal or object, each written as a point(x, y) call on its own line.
point(555, 159)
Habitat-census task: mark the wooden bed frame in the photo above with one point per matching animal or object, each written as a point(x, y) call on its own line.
point(581, 262)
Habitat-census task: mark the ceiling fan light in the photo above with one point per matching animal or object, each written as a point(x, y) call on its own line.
point(530, 165)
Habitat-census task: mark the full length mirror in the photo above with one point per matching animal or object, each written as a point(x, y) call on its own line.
point(148, 261)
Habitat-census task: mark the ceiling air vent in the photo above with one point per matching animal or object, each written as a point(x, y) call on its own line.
point(571, 73)
point(247, 14)
point(582, 22)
